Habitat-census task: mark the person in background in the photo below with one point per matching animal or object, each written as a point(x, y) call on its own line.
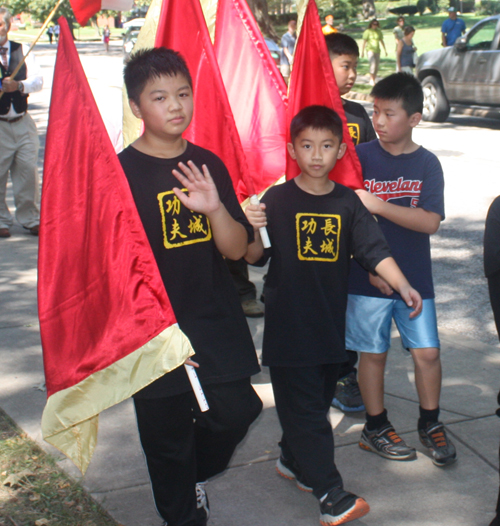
point(328, 28)
point(452, 28)
point(106, 34)
point(372, 40)
point(287, 49)
point(50, 33)
point(398, 33)
point(405, 51)
point(492, 273)
point(344, 54)
point(18, 136)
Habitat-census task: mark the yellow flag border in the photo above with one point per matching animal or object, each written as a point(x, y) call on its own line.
point(70, 417)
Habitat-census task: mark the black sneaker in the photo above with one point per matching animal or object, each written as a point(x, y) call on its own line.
point(347, 395)
point(340, 507)
point(434, 438)
point(386, 443)
point(203, 510)
point(291, 471)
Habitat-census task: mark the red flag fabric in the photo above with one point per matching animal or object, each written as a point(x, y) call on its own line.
point(102, 304)
point(255, 89)
point(85, 9)
point(312, 82)
point(182, 27)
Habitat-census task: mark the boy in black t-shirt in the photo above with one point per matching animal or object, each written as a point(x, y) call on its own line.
point(344, 55)
point(315, 225)
point(192, 219)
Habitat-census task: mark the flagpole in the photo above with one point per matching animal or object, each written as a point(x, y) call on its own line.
point(264, 236)
point(32, 45)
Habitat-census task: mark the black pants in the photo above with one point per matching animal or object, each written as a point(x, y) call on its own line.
point(303, 396)
point(184, 446)
point(494, 289)
point(239, 272)
point(349, 366)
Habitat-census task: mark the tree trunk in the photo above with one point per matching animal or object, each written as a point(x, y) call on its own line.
point(260, 11)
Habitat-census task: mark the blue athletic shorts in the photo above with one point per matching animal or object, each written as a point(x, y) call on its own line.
point(368, 324)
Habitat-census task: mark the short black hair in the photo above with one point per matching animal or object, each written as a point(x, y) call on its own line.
point(317, 118)
point(404, 87)
point(147, 64)
point(408, 29)
point(341, 44)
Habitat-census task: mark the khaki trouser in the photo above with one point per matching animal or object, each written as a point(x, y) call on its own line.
point(19, 146)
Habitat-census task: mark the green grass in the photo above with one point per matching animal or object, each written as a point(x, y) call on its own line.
point(34, 491)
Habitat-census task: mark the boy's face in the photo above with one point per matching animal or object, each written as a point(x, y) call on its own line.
point(165, 106)
point(345, 69)
point(391, 122)
point(316, 152)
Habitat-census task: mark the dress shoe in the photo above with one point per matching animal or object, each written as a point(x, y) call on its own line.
point(4, 232)
point(34, 230)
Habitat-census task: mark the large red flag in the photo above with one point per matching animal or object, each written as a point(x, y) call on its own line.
point(106, 323)
point(182, 27)
point(312, 82)
point(255, 89)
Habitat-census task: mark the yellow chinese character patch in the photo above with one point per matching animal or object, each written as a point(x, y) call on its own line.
point(354, 132)
point(181, 226)
point(318, 236)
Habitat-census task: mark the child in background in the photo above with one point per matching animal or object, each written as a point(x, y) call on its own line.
point(315, 226)
point(344, 55)
point(405, 52)
point(404, 189)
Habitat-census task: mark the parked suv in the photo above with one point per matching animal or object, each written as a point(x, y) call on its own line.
point(466, 73)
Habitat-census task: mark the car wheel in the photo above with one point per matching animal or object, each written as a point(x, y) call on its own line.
point(436, 105)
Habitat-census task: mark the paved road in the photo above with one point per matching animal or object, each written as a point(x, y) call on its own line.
point(413, 493)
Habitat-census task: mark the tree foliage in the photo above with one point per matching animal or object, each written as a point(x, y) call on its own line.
point(40, 9)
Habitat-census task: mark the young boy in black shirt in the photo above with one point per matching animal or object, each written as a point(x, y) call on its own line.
point(315, 225)
point(192, 219)
point(344, 55)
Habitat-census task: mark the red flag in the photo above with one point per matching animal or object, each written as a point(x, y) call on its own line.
point(182, 27)
point(85, 9)
point(312, 82)
point(105, 318)
point(255, 89)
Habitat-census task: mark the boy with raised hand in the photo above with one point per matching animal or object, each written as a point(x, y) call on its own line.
point(315, 225)
point(344, 55)
point(192, 219)
point(404, 190)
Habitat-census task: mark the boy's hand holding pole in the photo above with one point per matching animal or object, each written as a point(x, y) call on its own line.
point(256, 216)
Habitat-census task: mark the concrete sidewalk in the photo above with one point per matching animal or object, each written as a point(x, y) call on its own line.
point(250, 492)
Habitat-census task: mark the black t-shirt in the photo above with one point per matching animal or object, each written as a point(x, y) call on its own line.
point(194, 273)
point(492, 240)
point(313, 238)
point(359, 124)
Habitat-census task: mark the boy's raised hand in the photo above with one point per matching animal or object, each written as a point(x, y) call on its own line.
point(203, 196)
point(256, 215)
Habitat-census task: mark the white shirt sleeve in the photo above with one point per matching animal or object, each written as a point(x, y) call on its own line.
point(34, 80)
